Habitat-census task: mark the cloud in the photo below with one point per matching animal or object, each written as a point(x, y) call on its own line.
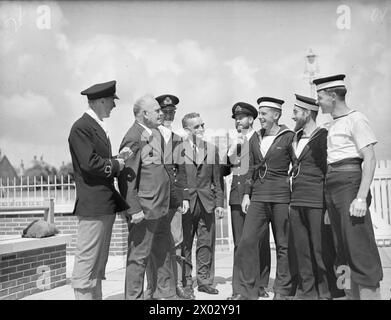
point(243, 71)
point(22, 116)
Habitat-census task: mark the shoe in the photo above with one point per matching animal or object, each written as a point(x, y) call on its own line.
point(279, 296)
point(237, 297)
point(183, 293)
point(207, 289)
point(262, 293)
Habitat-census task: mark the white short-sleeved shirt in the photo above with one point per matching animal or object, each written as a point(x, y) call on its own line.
point(347, 136)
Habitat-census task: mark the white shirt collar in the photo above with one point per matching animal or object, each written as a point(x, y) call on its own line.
point(166, 133)
point(94, 116)
point(250, 133)
point(145, 127)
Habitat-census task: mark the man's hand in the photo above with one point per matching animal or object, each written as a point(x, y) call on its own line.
point(245, 203)
point(358, 208)
point(125, 153)
point(121, 163)
point(185, 206)
point(219, 212)
point(238, 140)
point(137, 217)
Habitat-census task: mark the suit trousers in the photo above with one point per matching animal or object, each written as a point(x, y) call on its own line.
point(246, 277)
point(307, 230)
point(92, 251)
point(237, 220)
point(203, 224)
point(354, 237)
point(175, 220)
point(149, 241)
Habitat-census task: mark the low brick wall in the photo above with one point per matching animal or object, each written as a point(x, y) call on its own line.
point(13, 224)
point(20, 274)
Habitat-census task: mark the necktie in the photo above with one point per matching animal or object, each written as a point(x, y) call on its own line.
point(195, 154)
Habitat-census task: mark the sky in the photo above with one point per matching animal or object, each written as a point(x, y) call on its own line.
point(209, 54)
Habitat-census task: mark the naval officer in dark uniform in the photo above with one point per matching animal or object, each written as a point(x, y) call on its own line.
point(267, 184)
point(244, 115)
point(97, 200)
point(351, 165)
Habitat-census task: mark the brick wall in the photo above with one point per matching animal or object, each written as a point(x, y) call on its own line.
point(19, 271)
point(67, 224)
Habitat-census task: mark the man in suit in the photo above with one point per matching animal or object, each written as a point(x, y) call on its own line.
point(97, 200)
point(179, 194)
point(244, 115)
point(206, 201)
point(267, 183)
point(145, 183)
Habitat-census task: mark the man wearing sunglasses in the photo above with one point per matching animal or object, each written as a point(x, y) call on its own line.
point(206, 201)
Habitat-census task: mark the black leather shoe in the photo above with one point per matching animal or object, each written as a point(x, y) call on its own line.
point(237, 297)
point(208, 289)
point(184, 294)
point(262, 293)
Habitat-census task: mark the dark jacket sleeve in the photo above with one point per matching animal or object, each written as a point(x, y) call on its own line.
point(226, 166)
point(81, 142)
point(291, 151)
point(128, 181)
point(182, 176)
point(248, 185)
point(218, 181)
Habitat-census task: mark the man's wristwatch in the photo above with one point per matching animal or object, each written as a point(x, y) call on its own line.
point(361, 200)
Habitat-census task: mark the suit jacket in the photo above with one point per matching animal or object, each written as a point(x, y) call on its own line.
point(145, 182)
point(176, 171)
point(273, 168)
point(309, 170)
point(94, 170)
point(203, 178)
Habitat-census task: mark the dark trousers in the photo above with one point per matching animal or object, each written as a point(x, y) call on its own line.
point(149, 239)
point(246, 276)
point(307, 230)
point(237, 220)
point(203, 224)
point(151, 272)
point(353, 236)
point(329, 259)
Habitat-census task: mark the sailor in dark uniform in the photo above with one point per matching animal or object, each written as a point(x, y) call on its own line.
point(307, 200)
point(97, 200)
point(244, 115)
point(351, 165)
point(267, 183)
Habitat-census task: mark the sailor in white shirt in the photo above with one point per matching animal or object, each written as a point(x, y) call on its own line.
point(351, 165)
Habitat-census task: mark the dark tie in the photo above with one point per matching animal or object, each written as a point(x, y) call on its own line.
point(238, 149)
point(195, 154)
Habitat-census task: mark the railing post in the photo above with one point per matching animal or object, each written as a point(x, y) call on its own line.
point(49, 212)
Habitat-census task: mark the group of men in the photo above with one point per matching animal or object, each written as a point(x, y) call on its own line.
point(311, 184)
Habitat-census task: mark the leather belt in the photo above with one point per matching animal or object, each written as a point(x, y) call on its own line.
point(344, 167)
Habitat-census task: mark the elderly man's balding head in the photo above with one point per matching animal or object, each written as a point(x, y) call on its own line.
point(147, 111)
